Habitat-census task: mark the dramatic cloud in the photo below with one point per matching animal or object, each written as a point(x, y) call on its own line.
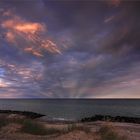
point(69, 49)
point(32, 34)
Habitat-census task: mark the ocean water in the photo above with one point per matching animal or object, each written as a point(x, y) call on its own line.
point(74, 109)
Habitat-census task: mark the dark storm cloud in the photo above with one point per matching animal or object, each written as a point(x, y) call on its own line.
point(98, 41)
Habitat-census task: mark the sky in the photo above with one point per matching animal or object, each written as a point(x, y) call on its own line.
point(69, 49)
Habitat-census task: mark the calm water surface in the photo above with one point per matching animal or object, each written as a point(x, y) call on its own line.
point(74, 108)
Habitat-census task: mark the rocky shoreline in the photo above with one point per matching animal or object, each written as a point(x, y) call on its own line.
point(25, 125)
point(27, 114)
point(33, 115)
point(111, 118)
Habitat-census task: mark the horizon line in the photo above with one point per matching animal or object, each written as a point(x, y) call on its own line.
point(74, 98)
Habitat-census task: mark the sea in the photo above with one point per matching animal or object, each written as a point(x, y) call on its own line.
point(74, 109)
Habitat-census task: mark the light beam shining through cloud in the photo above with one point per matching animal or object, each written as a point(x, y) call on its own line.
point(69, 49)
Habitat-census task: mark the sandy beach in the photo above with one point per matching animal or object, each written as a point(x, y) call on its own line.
point(131, 131)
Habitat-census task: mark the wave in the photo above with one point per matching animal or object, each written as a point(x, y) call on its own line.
point(62, 119)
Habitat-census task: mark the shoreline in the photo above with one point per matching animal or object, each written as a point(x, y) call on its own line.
point(28, 114)
point(95, 118)
point(43, 118)
point(18, 125)
point(121, 119)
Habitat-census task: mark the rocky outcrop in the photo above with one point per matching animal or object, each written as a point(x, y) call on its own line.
point(110, 118)
point(27, 114)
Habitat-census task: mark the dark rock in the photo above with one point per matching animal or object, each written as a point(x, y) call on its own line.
point(28, 114)
point(111, 118)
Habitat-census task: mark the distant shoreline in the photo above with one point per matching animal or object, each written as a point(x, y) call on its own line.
point(33, 115)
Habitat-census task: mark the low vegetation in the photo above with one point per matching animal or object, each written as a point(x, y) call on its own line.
point(29, 126)
point(108, 133)
point(72, 127)
point(3, 122)
point(36, 128)
point(33, 127)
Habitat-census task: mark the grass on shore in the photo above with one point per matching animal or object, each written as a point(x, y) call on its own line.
point(3, 122)
point(108, 133)
point(72, 127)
point(36, 128)
point(29, 126)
